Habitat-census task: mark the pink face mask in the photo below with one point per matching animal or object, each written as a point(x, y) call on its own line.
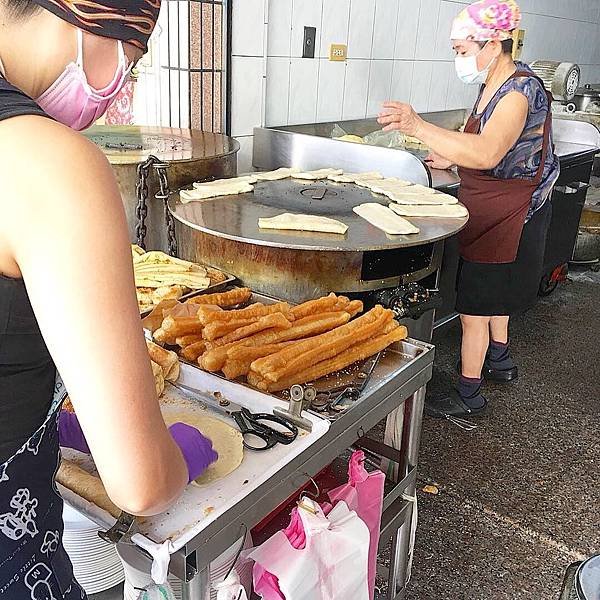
point(71, 100)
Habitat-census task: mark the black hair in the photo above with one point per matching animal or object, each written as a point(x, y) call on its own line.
point(507, 45)
point(21, 9)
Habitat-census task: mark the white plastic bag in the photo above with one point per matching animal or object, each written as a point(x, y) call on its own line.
point(332, 566)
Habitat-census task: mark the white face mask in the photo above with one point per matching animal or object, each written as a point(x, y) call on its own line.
point(467, 70)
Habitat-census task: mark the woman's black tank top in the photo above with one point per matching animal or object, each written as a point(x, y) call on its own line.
point(26, 369)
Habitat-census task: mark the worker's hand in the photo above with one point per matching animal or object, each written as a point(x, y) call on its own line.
point(197, 450)
point(70, 434)
point(435, 161)
point(401, 117)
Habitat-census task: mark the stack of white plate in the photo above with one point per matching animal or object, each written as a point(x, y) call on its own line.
point(96, 563)
point(137, 571)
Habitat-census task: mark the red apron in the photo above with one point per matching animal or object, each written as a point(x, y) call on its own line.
point(497, 207)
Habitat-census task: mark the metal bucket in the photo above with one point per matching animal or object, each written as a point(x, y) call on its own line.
point(587, 247)
point(191, 155)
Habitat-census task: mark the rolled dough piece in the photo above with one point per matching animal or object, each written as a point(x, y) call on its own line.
point(86, 486)
point(385, 219)
point(318, 174)
point(227, 441)
point(167, 360)
point(288, 221)
point(421, 199)
point(355, 177)
point(282, 173)
point(449, 211)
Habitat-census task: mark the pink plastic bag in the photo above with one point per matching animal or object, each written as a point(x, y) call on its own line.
point(364, 494)
point(332, 566)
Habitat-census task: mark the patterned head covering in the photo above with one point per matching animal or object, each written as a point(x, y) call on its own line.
point(130, 21)
point(487, 20)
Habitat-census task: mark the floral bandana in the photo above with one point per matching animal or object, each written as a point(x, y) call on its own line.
point(487, 20)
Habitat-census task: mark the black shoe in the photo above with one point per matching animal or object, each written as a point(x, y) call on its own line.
point(499, 375)
point(454, 405)
point(489, 373)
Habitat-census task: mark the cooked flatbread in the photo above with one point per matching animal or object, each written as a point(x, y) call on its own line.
point(227, 441)
point(447, 211)
point(282, 173)
point(385, 219)
point(355, 177)
point(289, 221)
point(318, 174)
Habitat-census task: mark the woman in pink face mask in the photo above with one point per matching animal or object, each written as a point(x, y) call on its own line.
point(67, 296)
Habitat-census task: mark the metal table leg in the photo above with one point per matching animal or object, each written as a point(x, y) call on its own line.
point(401, 557)
point(198, 588)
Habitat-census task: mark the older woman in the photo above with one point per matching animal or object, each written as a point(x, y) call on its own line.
point(67, 296)
point(507, 168)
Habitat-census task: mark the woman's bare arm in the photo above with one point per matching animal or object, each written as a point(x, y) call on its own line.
point(483, 151)
point(64, 224)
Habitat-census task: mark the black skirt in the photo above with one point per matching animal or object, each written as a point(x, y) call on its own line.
point(489, 290)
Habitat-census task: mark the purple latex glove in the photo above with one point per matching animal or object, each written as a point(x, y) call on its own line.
point(197, 450)
point(70, 434)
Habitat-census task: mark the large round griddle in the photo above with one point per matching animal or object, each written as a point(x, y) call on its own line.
point(130, 144)
point(236, 217)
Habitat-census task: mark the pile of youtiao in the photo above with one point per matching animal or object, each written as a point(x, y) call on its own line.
point(274, 346)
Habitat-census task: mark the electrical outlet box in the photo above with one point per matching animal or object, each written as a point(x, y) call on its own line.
point(518, 43)
point(310, 40)
point(338, 52)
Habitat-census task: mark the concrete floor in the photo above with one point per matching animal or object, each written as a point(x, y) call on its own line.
point(519, 497)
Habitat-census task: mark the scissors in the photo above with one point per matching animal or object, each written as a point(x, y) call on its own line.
point(258, 429)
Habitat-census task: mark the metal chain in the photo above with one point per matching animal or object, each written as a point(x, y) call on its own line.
point(141, 192)
point(141, 211)
point(163, 195)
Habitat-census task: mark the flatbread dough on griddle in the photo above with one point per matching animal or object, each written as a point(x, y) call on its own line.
point(385, 219)
point(215, 189)
point(355, 177)
point(415, 189)
point(387, 182)
point(421, 199)
point(227, 441)
point(446, 211)
point(318, 174)
point(289, 221)
point(282, 173)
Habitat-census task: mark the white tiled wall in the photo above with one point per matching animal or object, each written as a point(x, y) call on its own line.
point(397, 49)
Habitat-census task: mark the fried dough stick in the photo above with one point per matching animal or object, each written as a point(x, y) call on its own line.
point(331, 347)
point(214, 359)
point(313, 307)
point(255, 310)
point(274, 321)
point(358, 352)
point(218, 329)
point(224, 299)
